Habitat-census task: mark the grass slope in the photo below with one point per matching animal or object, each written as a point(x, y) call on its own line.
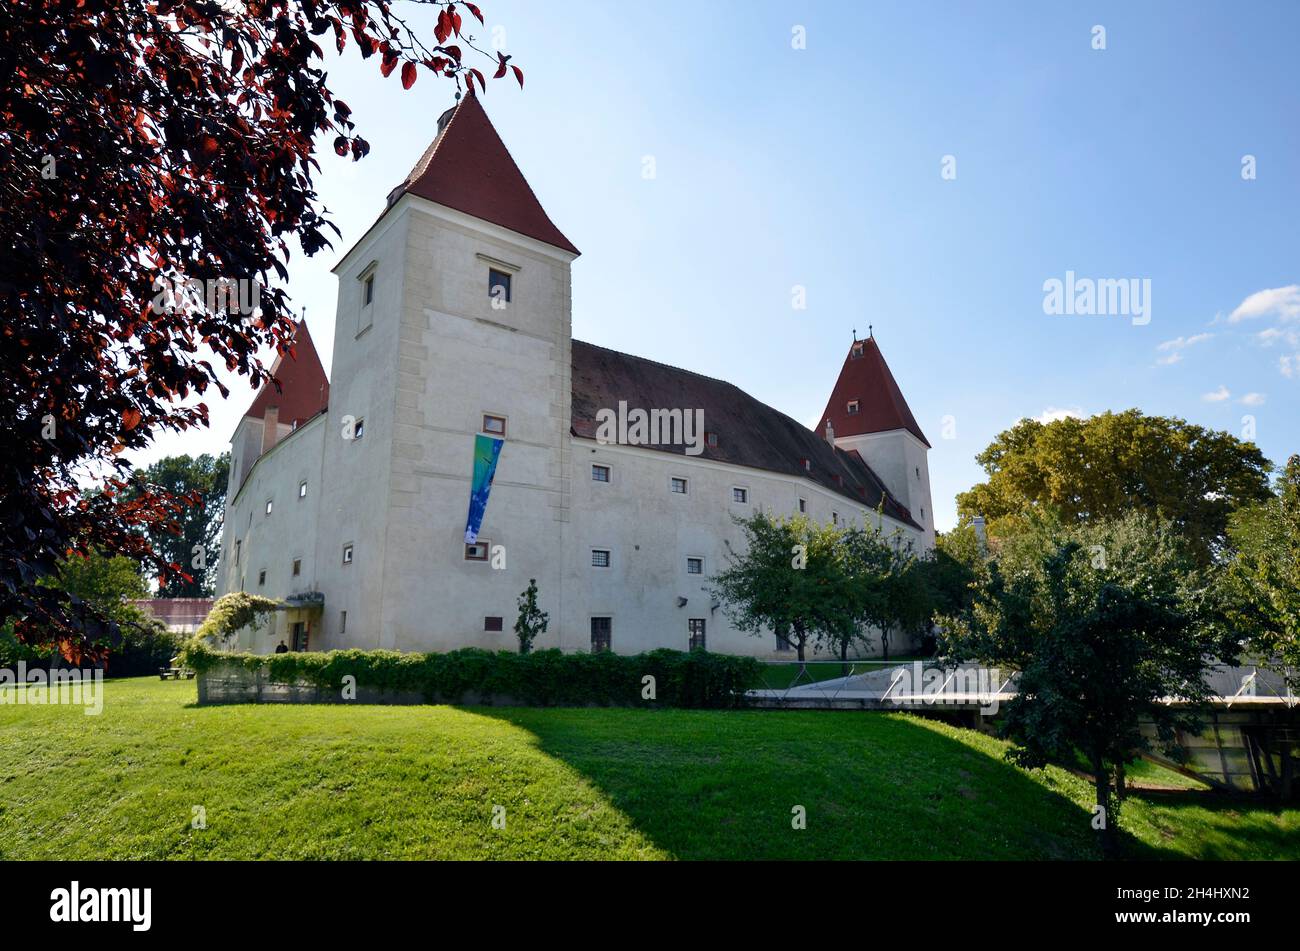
point(290, 782)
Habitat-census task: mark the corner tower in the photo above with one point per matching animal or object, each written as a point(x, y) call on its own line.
point(453, 320)
point(868, 415)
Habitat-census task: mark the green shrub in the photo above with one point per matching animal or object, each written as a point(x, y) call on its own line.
point(543, 678)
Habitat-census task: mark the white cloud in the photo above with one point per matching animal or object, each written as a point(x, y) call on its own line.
point(1290, 366)
point(1272, 335)
point(1280, 302)
point(1169, 359)
point(1182, 343)
point(1253, 399)
point(1053, 413)
point(1217, 396)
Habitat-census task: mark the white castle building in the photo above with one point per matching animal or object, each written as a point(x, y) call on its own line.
point(348, 497)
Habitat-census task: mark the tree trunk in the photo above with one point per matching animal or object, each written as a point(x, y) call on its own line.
point(884, 643)
point(1121, 787)
point(1106, 834)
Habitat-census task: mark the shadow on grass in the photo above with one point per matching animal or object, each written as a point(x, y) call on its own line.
point(729, 785)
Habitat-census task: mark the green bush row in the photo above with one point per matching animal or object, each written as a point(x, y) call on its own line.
point(541, 678)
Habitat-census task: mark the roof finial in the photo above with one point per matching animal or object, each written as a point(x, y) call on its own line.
point(855, 334)
point(871, 333)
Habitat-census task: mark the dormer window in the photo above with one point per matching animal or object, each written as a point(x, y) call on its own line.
point(853, 407)
point(711, 440)
point(858, 346)
point(806, 465)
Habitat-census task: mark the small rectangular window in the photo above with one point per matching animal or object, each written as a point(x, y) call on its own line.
point(297, 567)
point(601, 634)
point(679, 486)
point(343, 622)
point(498, 287)
point(494, 425)
point(853, 407)
point(302, 489)
point(806, 465)
point(239, 544)
point(600, 473)
point(358, 429)
point(695, 634)
point(695, 566)
point(803, 505)
point(835, 518)
point(711, 440)
point(599, 558)
point(368, 291)
point(739, 495)
point(347, 554)
point(261, 577)
point(857, 348)
point(268, 506)
point(491, 623)
point(477, 551)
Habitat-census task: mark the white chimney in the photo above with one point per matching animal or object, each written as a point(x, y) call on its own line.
point(830, 433)
point(270, 428)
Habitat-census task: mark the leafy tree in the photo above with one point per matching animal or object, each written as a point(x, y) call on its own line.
point(1102, 622)
point(197, 530)
point(106, 586)
point(948, 574)
point(148, 143)
point(1263, 579)
point(886, 589)
point(532, 620)
point(789, 579)
point(1104, 466)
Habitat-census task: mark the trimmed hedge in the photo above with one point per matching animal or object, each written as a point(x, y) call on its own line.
point(541, 678)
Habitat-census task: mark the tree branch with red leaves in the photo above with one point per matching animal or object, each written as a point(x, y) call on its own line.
point(147, 141)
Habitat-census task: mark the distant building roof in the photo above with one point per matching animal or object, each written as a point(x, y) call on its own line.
point(866, 380)
point(177, 613)
point(749, 433)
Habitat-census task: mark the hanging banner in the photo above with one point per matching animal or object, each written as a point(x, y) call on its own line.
point(487, 450)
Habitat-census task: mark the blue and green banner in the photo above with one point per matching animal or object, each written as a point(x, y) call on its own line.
point(487, 450)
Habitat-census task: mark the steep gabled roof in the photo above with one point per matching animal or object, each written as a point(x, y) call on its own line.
point(865, 378)
point(304, 388)
point(750, 433)
point(467, 167)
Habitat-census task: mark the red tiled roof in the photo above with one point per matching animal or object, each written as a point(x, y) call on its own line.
point(468, 168)
point(881, 407)
point(304, 388)
point(750, 433)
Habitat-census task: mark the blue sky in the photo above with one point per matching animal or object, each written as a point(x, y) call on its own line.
point(821, 167)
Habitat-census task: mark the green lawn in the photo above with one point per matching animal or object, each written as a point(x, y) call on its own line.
point(421, 782)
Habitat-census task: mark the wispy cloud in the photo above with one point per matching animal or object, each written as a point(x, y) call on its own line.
point(1280, 302)
point(1287, 335)
point(1289, 365)
point(1217, 396)
point(1173, 349)
point(1253, 399)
